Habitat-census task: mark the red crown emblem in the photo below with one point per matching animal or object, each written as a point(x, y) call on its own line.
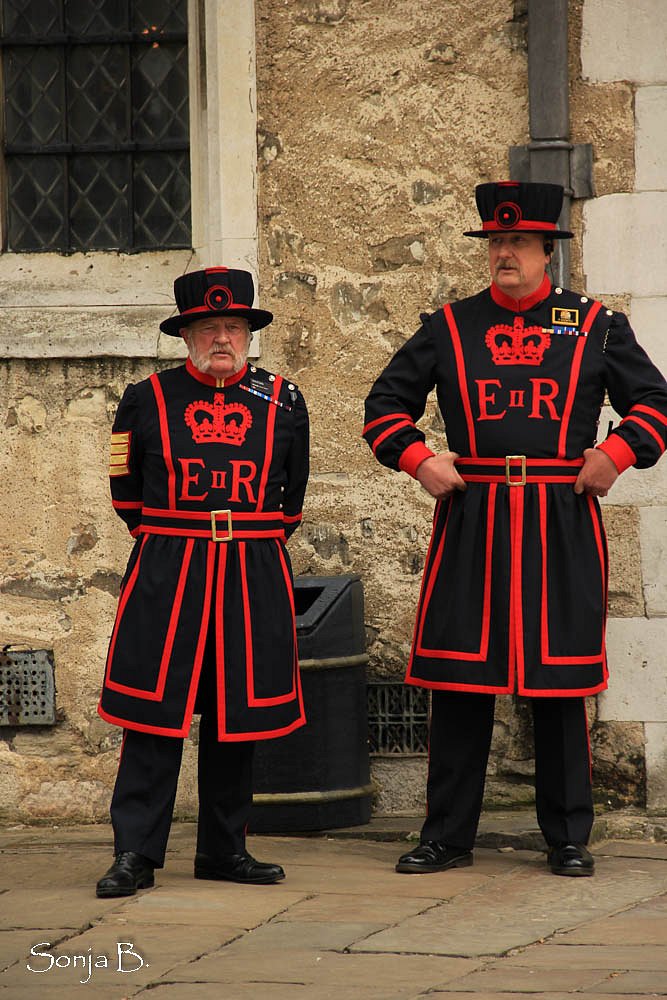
point(517, 345)
point(218, 422)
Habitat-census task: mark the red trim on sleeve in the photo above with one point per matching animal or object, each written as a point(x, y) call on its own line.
point(383, 420)
point(389, 431)
point(649, 428)
point(619, 451)
point(413, 456)
point(660, 417)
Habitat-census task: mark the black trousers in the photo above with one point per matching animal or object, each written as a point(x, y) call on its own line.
point(459, 743)
point(142, 804)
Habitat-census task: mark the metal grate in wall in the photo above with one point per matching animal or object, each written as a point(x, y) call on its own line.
point(27, 688)
point(397, 718)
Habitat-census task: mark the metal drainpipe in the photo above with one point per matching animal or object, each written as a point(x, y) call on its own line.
point(550, 156)
point(549, 104)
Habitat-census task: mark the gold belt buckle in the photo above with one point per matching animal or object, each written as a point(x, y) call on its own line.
point(214, 526)
point(508, 470)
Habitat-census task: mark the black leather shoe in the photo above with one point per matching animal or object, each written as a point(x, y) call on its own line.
point(237, 868)
point(570, 859)
point(431, 856)
point(129, 872)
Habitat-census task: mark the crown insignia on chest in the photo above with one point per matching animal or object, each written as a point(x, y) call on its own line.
point(518, 344)
point(218, 422)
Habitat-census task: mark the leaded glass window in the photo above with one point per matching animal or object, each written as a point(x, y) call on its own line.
point(96, 141)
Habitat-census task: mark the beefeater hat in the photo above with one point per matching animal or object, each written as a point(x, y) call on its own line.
point(519, 206)
point(215, 291)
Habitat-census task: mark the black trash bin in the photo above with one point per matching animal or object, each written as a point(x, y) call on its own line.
point(318, 777)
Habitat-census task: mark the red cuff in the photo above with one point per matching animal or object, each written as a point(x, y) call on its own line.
point(413, 456)
point(618, 451)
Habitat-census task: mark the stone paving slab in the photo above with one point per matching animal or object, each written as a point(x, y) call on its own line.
point(399, 975)
point(315, 935)
point(628, 983)
point(512, 912)
point(633, 849)
point(643, 924)
point(506, 996)
point(211, 903)
point(15, 945)
point(526, 980)
point(340, 907)
point(158, 948)
point(273, 991)
point(607, 958)
point(50, 907)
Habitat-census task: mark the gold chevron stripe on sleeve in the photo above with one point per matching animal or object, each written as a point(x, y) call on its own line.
point(120, 454)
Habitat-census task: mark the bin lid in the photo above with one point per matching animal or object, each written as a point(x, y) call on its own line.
point(314, 596)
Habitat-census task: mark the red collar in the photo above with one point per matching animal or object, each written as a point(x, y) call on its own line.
point(211, 379)
point(520, 305)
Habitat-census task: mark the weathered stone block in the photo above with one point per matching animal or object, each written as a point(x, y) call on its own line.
point(622, 227)
point(648, 321)
point(399, 784)
point(653, 533)
point(619, 767)
point(638, 681)
point(635, 40)
point(656, 766)
point(651, 140)
point(398, 251)
point(625, 580)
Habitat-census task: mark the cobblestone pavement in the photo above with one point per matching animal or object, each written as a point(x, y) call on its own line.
point(342, 925)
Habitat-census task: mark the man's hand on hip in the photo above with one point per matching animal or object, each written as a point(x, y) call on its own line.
point(597, 474)
point(438, 475)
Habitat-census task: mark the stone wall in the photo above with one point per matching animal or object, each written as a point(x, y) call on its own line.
point(375, 121)
point(625, 257)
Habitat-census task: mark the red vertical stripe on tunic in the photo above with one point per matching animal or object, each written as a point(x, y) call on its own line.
point(574, 377)
point(461, 374)
point(270, 433)
point(166, 443)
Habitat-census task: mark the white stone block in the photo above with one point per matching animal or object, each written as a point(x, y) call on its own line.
point(638, 679)
point(625, 244)
point(649, 318)
point(656, 767)
point(653, 540)
point(641, 487)
point(624, 40)
point(651, 138)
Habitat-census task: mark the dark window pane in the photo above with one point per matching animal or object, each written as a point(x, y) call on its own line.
point(99, 210)
point(160, 92)
point(156, 15)
point(95, 17)
point(31, 17)
point(34, 92)
point(75, 114)
point(36, 189)
point(97, 83)
point(162, 200)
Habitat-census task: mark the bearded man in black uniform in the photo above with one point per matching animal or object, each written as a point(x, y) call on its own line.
point(209, 464)
point(514, 593)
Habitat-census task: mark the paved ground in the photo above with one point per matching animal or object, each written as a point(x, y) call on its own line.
point(342, 925)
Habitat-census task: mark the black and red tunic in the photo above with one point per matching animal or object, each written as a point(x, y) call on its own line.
point(514, 592)
point(209, 476)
